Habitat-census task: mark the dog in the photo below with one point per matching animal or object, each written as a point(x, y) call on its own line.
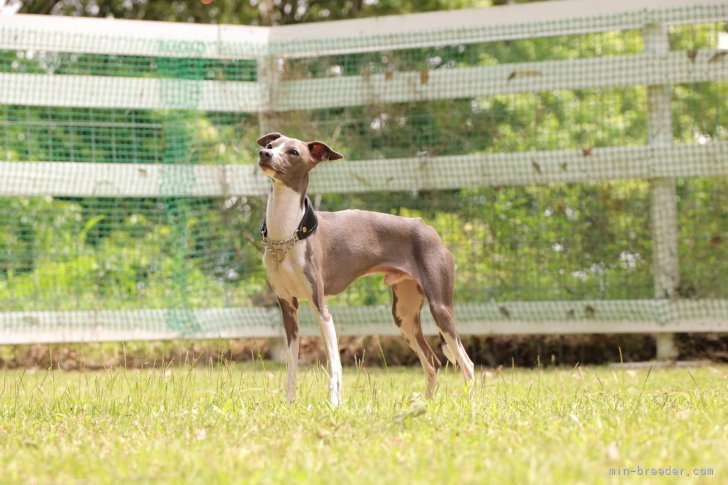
point(312, 255)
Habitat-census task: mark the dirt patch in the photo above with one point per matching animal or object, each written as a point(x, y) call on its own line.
point(522, 351)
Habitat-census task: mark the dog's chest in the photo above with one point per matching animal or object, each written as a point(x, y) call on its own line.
point(288, 277)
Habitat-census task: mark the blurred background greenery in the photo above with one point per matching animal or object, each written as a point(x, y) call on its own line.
point(545, 242)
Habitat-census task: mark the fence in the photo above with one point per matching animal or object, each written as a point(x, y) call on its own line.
point(572, 154)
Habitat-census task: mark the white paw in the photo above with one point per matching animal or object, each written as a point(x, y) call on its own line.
point(335, 390)
point(335, 397)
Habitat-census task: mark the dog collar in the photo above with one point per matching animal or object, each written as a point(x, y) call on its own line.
point(308, 224)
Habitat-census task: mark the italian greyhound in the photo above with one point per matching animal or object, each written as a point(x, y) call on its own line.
point(313, 255)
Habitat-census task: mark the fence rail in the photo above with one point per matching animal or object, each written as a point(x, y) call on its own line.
point(74, 179)
point(538, 317)
point(131, 37)
point(144, 38)
point(532, 77)
point(335, 92)
point(130, 93)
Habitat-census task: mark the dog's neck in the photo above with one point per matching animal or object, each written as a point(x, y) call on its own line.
point(284, 211)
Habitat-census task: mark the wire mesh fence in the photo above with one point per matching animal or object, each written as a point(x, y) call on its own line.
point(131, 204)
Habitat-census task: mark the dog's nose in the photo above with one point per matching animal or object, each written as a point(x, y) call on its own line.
point(265, 154)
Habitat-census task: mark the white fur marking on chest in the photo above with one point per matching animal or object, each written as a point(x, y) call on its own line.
point(288, 278)
point(284, 212)
point(283, 215)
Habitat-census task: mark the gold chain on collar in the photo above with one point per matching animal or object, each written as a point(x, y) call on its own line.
point(279, 249)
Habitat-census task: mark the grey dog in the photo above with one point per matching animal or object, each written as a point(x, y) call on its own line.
point(312, 255)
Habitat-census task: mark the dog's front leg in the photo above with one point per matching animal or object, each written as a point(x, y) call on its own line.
point(328, 332)
point(289, 312)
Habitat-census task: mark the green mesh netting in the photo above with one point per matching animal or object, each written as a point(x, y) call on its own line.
point(532, 156)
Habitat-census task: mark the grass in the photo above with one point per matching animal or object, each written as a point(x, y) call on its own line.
point(227, 423)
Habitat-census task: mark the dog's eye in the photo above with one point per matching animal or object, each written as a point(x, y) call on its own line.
point(294, 153)
point(270, 146)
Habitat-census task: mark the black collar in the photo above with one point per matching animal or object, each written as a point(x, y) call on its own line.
point(308, 223)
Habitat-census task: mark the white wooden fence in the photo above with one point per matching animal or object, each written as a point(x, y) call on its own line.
point(660, 160)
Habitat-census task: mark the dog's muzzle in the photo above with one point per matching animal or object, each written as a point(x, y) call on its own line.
point(265, 159)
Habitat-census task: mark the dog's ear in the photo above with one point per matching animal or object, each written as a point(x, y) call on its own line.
point(268, 138)
point(320, 152)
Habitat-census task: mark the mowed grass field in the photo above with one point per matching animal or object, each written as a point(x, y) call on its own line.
point(227, 423)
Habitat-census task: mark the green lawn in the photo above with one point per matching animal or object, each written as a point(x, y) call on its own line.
point(227, 423)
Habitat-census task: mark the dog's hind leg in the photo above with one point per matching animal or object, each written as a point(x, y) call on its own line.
point(407, 300)
point(439, 288)
point(447, 352)
point(289, 312)
point(453, 348)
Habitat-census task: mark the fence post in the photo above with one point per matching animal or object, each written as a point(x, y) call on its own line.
point(663, 208)
point(267, 76)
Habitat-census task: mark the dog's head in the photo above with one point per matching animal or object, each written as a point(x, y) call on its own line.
point(289, 160)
